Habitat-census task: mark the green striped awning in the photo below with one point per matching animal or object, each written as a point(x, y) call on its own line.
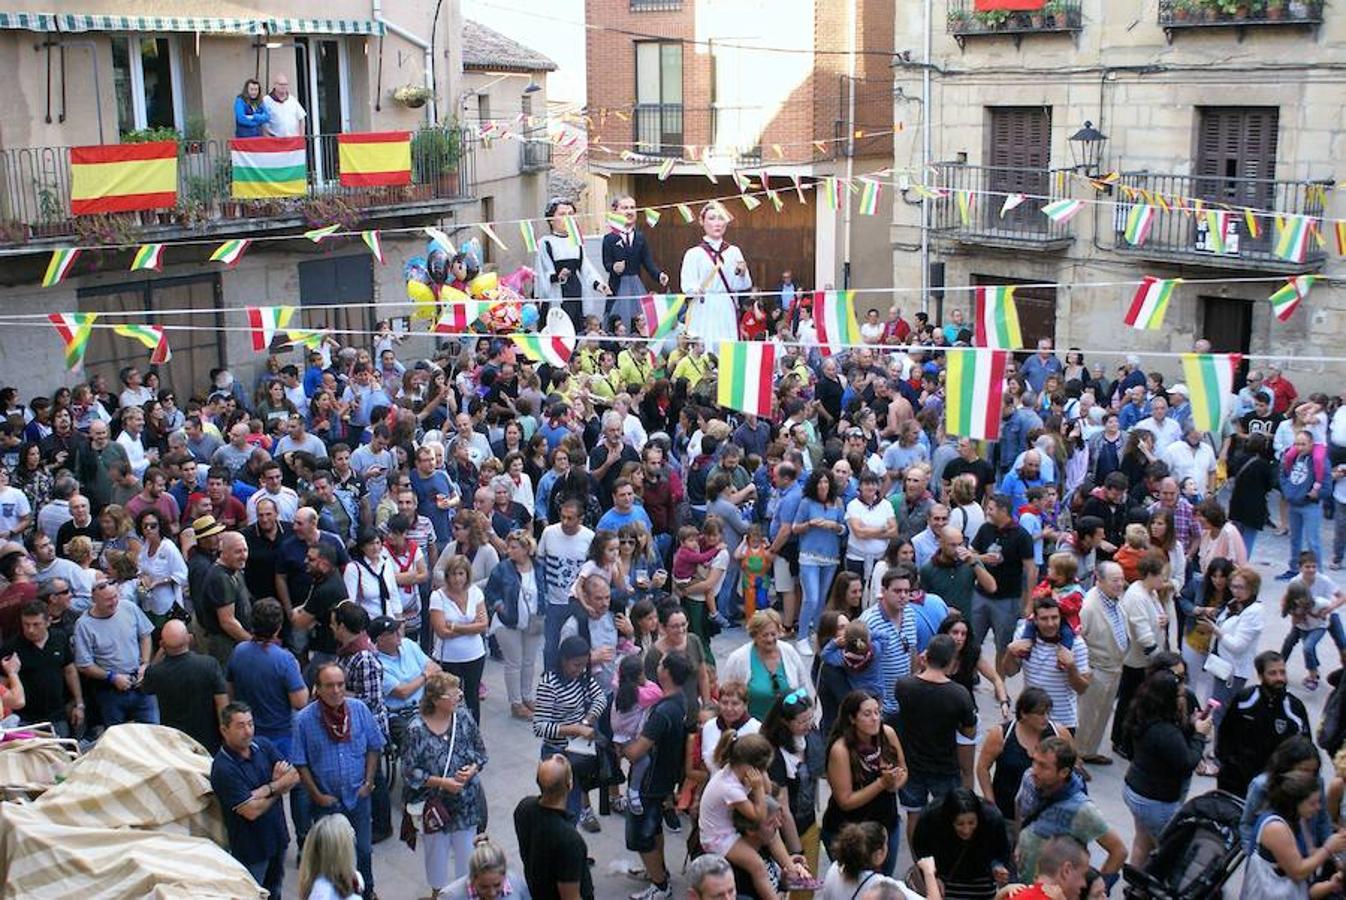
point(70, 24)
point(325, 26)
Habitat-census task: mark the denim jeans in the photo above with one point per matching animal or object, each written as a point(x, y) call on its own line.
point(1338, 531)
point(359, 817)
point(816, 581)
point(269, 873)
point(117, 707)
point(1311, 638)
point(301, 813)
point(1306, 527)
point(1249, 536)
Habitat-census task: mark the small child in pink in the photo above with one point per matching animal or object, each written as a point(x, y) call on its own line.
point(631, 704)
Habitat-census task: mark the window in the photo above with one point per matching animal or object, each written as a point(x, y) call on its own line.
point(1236, 154)
point(1019, 156)
point(659, 95)
point(483, 108)
point(330, 287)
point(147, 78)
point(195, 352)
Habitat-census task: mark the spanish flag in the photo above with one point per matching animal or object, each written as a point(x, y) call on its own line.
point(375, 159)
point(123, 177)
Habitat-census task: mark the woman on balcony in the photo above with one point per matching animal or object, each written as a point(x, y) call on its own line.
point(249, 114)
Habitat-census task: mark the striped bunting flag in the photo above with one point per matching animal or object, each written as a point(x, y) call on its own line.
point(997, 319)
point(550, 349)
point(615, 221)
point(1210, 378)
point(230, 252)
point(304, 337)
point(58, 267)
point(1292, 238)
point(487, 230)
point(745, 376)
point(750, 201)
point(1253, 221)
point(375, 245)
point(652, 217)
point(1011, 202)
point(1139, 221)
point(1217, 222)
point(318, 235)
point(1150, 302)
point(266, 322)
point(529, 236)
point(686, 212)
point(666, 168)
point(834, 318)
point(831, 192)
point(268, 167)
point(148, 257)
point(965, 201)
point(974, 383)
point(661, 313)
point(573, 231)
point(1341, 237)
point(459, 315)
point(869, 197)
point(153, 337)
point(74, 329)
point(1288, 297)
point(1062, 211)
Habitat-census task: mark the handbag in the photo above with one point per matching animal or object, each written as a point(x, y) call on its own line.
point(1219, 668)
point(435, 814)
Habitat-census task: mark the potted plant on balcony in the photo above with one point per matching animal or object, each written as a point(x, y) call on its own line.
point(195, 133)
point(106, 230)
point(435, 152)
point(14, 233)
point(319, 212)
point(1298, 9)
point(959, 21)
point(1275, 10)
point(1056, 15)
point(992, 19)
point(413, 96)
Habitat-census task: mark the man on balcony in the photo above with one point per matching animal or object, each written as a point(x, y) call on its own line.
point(287, 116)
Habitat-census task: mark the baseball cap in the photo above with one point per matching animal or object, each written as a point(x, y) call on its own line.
point(381, 625)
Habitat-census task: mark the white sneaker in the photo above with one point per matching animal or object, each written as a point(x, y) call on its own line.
point(654, 892)
point(804, 646)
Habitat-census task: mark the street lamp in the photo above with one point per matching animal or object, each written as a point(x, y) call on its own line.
point(1086, 149)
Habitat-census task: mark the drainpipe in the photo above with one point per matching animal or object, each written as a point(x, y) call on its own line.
point(426, 48)
point(852, 24)
point(925, 158)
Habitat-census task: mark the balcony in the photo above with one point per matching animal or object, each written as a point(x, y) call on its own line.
point(1184, 239)
point(1175, 15)
point(1022, 228)
point(35, 194)
point(656, 5)
point(534, 156)
point(1055, 17)
point(658, 129)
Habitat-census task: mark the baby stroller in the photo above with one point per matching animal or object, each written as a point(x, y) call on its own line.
point(1197, 853)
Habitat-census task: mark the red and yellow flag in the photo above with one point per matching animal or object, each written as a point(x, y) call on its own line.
point(375, 158)
point(123, 177)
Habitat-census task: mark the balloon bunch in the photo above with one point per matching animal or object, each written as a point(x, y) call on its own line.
point(453, 275)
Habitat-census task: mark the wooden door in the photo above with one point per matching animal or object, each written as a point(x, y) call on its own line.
point(1019, 157)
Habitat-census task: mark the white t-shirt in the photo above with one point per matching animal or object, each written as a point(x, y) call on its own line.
point(13, 508)
point(464, 647)
point(717, 811)
point(1185, 462)
point(876, 516)
point(287, 119)
point(710, 739)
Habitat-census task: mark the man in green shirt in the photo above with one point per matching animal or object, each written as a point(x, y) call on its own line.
point(954, 571)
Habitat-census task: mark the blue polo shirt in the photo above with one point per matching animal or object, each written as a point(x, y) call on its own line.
point(407, 664)
point(426, 489)
point(233, 779)
point(263, 675)
point(613, 519)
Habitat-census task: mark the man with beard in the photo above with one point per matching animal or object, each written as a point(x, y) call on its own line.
point(1259, 718)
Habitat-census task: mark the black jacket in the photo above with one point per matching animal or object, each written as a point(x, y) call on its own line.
point(1254, 725)
point(637, 256)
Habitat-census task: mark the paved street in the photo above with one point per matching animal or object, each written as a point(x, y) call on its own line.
point(514, 750)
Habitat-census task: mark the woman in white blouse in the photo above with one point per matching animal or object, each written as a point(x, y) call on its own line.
point(1235, 635)
point(458, 621)
point(371, 577)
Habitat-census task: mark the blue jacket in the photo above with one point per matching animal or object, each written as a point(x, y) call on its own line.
point(503, 588)
point(871, 678)
point(248, 120)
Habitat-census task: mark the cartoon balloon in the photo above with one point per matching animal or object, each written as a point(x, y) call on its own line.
point(529, 315)
point(484, 286)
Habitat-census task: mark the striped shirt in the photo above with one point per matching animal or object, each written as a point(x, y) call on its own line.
point(900, 638)
point(561, 703)
point(1040, 670)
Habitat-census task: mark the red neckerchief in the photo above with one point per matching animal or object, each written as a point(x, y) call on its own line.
point(717, 257)
point(336, 722)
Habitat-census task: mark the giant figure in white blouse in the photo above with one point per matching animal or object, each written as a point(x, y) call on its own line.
point(712, 273)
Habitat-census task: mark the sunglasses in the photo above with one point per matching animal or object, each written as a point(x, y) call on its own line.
point(796, 697)
point(626, 540)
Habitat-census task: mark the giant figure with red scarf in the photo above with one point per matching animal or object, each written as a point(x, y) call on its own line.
point(713, 272)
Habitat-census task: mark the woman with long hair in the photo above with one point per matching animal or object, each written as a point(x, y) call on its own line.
point(820, 523)
point(1236, 631)
point(1283, 860)
point(966, 836)
point(1166, 747)
point(847, 594)
point(163, 571)
point(968, 663)
point(1136, 459)
point(115, 531)
point(327, 862)
point(515, 593)
point(33, 476)
point(249, 112)
point(469, 541)
point(1297, 753)
point(569, 703)
point(865, 768)
point(442, 756)
point(488, 876)
point(1214, 595)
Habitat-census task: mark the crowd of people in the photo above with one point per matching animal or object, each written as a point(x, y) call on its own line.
point(311, 577)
